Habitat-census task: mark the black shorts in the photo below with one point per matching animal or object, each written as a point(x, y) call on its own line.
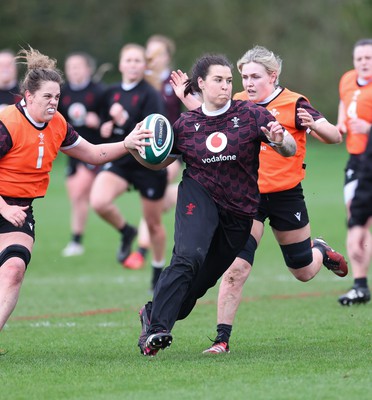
point(151, 184)
point(72, 164)
point(28, 227)
point(353, 167)
point(286, 210)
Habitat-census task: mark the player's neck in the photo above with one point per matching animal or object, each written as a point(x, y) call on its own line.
point(207, 110)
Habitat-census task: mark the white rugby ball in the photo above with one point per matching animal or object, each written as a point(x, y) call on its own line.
point(162, 141)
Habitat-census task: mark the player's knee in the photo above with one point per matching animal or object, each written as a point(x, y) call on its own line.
point(77, 196)
point(186, 266)
point(249, 250)
point(13, 273)
point(237, 273)
point(20, 256)
point(155, 226)
point(98, 205)
point(298, 255)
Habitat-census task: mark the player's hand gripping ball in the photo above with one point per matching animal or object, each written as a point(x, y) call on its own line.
point(162, 141)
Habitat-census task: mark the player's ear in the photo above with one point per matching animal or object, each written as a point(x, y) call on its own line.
point(28, 97)
point(273, 78)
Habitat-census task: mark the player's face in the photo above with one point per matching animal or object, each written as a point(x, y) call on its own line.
point(157, 56)
point(363, 61)
point(8, 69)
point(217, 87)
point(77, 70)
point(132, 65)
point(257, 82)
point(42, 105)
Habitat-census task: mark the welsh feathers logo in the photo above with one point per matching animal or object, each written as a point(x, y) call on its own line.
point(216, 142)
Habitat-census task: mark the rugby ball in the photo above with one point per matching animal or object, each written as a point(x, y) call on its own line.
point(162, 141)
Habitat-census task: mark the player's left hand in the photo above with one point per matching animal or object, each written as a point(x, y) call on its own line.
point(275, 133)
point(306, 119)
point(178, 82)
point(135, 140)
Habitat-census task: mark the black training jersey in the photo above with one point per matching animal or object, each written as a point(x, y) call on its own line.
point(221, 153)
point(361, 204)
point(9, 96)
point(75, 104)
point(139, 102)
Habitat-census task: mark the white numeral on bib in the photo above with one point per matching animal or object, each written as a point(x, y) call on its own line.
point(40, 157)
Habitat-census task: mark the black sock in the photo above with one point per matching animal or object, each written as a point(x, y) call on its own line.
point(143, 251)
point(223, 332)
point(361, 282)
point(126, 229)
point(76, 237)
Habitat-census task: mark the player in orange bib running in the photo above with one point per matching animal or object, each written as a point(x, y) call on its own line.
point(355, 120)
point(31, 134)
point(282, 200)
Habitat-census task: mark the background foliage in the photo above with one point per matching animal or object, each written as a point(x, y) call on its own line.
point(314, 38)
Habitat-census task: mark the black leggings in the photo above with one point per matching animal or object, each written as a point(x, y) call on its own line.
point(207, 240)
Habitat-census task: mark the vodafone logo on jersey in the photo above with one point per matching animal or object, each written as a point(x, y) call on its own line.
point(216, 142)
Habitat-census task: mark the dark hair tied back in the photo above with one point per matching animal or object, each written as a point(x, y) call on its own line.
point(201, 69)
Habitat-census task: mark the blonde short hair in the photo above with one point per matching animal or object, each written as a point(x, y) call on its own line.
point(261, 55)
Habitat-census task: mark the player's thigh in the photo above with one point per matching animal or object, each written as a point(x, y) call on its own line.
point(257, 230)
point(81, 182)
point(196, 220)
point(292, 236)
point(10, 238)
point(106, 187)
point(224, 248)
point(152, 210)
point(173, 171)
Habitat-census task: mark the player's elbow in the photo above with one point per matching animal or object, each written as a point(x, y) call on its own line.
point(335, 137)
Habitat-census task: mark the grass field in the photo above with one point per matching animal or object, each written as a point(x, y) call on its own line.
point(74, 332)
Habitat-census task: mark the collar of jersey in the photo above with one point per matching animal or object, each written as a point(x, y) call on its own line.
point(216, 112)
point(28, 116)
point(79, 86)
point(129, 86)
point(363, 82)
point(271, 97)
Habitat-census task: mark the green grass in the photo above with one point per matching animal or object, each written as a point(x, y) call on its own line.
point(74, 332)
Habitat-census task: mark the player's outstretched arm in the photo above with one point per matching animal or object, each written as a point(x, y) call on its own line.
point(322, 130)
point(283, 141)
point(102, 153)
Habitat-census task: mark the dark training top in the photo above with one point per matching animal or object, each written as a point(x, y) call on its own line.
point(9, 96)
point(140, 101)
point(74, 104)
point(221, 152)
point(361, 205)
